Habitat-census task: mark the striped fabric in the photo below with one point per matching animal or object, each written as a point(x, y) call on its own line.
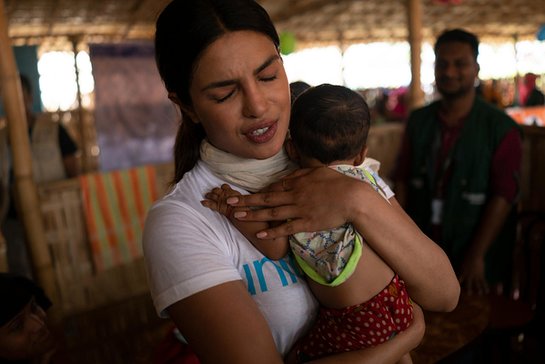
point(115, 205)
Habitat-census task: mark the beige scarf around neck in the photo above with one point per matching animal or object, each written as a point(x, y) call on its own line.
point(250, 174)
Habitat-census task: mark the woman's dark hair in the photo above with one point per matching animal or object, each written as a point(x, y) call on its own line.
point(461, 36)
point(184, 29)
point(329, 123)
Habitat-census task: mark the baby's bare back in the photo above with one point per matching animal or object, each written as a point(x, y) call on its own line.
point(370, 277)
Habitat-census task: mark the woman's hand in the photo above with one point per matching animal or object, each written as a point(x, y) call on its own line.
point(320, 199)
point(308, 200)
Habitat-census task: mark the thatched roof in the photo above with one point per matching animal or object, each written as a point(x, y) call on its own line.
point(312, 21)
point(107, 19)
point(364, 20)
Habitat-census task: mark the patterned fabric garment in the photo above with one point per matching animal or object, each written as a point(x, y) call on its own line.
point(325, 255)
point(360, 326)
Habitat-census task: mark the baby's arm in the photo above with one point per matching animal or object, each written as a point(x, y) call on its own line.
point(274, 249)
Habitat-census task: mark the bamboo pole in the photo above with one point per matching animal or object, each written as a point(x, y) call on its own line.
point(85, 168)
point(516, 98)
point(26, 191)
point(414, 21)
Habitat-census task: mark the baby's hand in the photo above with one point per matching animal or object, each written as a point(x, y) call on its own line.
point(216, 199)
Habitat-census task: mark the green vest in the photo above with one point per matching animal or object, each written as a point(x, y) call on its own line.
point(467, 190)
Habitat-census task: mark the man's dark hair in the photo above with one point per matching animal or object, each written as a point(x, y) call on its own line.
point(458, 35)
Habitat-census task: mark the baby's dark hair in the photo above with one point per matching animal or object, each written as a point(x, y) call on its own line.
point(329, 123)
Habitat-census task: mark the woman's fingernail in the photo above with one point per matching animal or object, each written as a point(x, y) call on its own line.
point(240, 214)
point(232, 200)
point(261, 234)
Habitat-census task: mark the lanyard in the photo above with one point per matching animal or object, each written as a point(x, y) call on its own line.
point(439, 165)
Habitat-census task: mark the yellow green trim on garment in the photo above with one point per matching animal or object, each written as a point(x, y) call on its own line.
point(345, 274)
point(370, 176)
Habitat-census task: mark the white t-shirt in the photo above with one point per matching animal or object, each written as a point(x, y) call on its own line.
point(189, 248)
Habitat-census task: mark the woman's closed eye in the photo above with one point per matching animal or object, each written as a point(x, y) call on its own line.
point(268, 78)
point(223, 96)
point(220, 96)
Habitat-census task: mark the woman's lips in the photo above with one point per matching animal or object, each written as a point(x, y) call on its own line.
point(262, 133)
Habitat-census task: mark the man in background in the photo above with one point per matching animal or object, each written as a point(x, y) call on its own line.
point(54, 157)
point(533, 96)
point(459, 167)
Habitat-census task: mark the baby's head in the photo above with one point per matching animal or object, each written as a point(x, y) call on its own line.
point(329, 125)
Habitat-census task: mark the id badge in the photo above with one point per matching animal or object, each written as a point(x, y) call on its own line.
point(436, 211)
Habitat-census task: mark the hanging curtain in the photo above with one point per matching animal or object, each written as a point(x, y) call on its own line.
point(135, 121)
point(26, 58)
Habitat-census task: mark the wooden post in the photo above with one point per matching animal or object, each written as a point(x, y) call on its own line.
point(81, 114)
point(414, 21)
point(26, 191)
point(342, 47)
point(516, 97)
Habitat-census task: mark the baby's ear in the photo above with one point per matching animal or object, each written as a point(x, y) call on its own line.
point(290, 149)
point(361, 156)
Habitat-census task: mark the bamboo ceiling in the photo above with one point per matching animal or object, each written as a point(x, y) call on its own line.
point(311, 21)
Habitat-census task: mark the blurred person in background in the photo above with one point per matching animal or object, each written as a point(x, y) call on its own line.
point(55, 156)
point(459, 169)
point(25, 336)
point(533, 95)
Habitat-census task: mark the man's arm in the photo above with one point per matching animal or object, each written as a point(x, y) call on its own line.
point(472, 271)
point(504, 185)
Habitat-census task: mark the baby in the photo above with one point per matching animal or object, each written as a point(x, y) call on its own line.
point(363, 301)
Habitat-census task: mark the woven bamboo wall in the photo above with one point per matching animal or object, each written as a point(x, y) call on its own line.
point(383, 144)
point(81, 288)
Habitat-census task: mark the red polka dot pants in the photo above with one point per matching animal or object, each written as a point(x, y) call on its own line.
point(360, 326)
